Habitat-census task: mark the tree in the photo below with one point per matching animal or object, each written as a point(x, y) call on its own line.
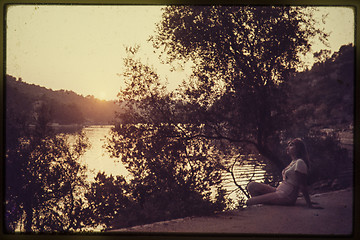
point(243, 58)
point(108, 198)
point(44, 179)
point(172, 175)
point(233, 108)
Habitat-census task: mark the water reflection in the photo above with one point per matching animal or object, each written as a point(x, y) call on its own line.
point(243, 174)
point(98, 159)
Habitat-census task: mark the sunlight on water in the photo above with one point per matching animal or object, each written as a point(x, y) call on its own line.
point(96, 157)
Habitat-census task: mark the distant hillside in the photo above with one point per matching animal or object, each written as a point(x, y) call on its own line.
point(324, 95)
point(66, 107)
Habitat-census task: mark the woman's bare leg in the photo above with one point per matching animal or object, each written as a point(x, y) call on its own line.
point(269, 198)
point(257, 189)
point(264, 194)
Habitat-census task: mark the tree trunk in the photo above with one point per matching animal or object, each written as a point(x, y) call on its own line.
point(29, 214)
point(267, 153)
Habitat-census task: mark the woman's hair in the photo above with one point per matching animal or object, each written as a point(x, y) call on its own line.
point(301, 151)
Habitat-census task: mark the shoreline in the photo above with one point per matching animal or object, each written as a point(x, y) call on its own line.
point(336, 218)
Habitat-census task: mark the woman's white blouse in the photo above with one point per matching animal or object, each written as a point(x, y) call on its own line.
point(289, 174)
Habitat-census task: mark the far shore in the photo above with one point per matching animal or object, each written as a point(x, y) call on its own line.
point(57, 126)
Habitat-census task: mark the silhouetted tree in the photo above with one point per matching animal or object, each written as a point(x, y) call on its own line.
point(44, 179)
point(172, 175)
point(108, 198)
point(234, 103)
point(243, 59)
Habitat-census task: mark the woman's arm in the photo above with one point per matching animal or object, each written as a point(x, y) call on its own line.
point(303, 187)
point(305, 193)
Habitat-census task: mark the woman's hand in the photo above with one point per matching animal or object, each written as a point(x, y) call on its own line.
point(302, 180)
point(311, 205)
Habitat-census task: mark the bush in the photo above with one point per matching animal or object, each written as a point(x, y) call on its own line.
point(327, 157)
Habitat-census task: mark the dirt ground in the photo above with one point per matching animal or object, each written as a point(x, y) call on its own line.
point(336, 218)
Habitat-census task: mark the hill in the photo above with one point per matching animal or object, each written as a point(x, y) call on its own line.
point(66, 107)
point(323, 97)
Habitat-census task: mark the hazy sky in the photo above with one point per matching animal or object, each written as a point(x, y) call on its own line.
point(81, 48)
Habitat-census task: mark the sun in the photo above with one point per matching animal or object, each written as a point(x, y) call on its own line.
point(102, 95)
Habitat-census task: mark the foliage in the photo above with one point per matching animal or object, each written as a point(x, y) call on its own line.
point(245, 77)
point(244, 57)
point(235, 103)
point(108, 197)
point(172, 174)
point(328, 158)
point(176, 146)
point(320, 113)
point(330, 102)
point(44, 178)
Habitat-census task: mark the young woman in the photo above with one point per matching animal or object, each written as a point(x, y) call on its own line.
point(294, 180)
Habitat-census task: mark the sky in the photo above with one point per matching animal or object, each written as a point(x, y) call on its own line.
point(81, 48)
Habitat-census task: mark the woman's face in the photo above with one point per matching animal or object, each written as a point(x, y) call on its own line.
point(291, 149)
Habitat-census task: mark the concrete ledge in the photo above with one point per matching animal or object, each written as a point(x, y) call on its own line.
point(336, 218)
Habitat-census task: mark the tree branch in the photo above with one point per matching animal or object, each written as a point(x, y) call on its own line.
point(231, 171)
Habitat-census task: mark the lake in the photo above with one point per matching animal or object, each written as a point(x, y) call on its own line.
point(98, 159)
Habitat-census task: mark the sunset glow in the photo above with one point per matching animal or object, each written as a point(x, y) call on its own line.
point(81, 48)
point(126, 118)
